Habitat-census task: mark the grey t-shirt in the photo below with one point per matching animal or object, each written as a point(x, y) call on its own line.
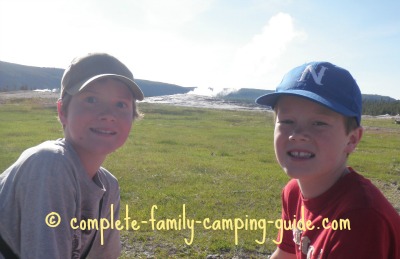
point(49, 178)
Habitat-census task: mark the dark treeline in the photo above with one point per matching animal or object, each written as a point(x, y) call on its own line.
point(380, 107)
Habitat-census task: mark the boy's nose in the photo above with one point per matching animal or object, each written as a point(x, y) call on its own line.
point(299, 134)
point(107, 113)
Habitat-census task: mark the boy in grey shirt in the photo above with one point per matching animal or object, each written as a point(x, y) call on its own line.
point(53, 187)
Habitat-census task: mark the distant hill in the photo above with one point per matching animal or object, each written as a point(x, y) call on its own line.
point(377, 98)
point(152, 88)
point(14, 77)
point(18, 77)
point(246, 95)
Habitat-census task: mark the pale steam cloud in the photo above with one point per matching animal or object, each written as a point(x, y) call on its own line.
point(254, 63)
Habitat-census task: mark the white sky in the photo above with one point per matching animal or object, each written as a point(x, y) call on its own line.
point(210, 43)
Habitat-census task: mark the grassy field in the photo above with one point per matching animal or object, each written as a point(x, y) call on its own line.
point(204, 165)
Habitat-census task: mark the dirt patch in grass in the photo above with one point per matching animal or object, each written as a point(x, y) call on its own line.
point(44, 99)
point(391, 191)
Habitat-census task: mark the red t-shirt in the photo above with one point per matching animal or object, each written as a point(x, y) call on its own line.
point(351, 220)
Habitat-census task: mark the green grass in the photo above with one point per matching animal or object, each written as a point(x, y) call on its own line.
point(218, 164)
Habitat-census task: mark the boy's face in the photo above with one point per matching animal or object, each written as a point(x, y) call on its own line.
point(99, 118)
point(310, 140)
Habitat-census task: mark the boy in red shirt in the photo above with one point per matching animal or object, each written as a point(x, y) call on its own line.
point(338, 213)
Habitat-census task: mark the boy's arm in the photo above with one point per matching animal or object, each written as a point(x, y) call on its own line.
point(45, 188)
point(369, 236)
point(280, 254)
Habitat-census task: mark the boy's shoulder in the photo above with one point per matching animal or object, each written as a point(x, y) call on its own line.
point(352, 192)
point(361, 194)
point(49, 153)
point(49, 157)
point(47, 148)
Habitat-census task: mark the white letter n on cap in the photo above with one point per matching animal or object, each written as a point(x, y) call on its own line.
point(317, 77)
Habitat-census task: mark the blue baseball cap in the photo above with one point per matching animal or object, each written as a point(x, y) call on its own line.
point(323, 83)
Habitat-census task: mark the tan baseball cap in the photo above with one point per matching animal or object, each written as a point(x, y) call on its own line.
point(84, 70)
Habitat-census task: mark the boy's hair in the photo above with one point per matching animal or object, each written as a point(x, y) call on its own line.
point(350, 124)
point(323, 83)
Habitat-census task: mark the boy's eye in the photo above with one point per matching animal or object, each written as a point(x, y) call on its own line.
point(90, 99)
point(122, 105)
point(319, 123)
point(285, 121)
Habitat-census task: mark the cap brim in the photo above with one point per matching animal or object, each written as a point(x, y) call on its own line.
point(271, 100)
point(133, 87)
point(268, 99)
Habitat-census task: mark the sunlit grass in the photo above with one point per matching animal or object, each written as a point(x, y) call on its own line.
point(218, 164)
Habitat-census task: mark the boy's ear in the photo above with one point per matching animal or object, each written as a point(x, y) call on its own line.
point(354, 138)
point(61, 114)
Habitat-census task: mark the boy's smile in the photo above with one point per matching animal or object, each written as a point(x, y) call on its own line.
point(300, 154)
point(103, 132)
